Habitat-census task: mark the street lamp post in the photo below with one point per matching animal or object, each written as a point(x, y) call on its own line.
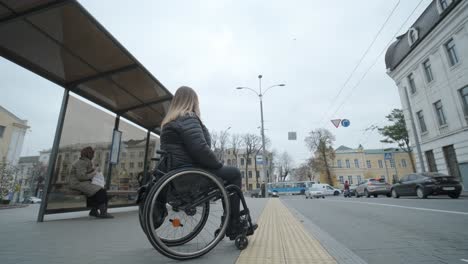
point(260, 96)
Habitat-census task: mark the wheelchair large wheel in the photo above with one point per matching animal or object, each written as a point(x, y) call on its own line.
point(182, 212)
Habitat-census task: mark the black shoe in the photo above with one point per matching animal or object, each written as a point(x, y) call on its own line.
point(252, 229)
point(103, 212)
point(94, 212)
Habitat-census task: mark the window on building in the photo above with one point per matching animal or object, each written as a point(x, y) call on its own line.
point(341, 179)
point(250, 186)
point(348, 165)
point(257, 173)
point(451, 52)
point(368, 164)
point(356, 163)
point(413, 36)
point(131, 165)
point(249, 162)
point(412, 84)
point(141, 154)
point(350, 179)
point(140, 164)
point(443, 4)
point(242, 161)
point(431, 163)
point(392, 163)
point(338, 162)
point(428, 71)
point(403, 163)
point(358, 178)
point(464, 97)
point(250, 174)
point(243, 174)
point(2, 130)
point(122, 165)
point(229, 152)
point(422, 124)
point(380, 164)
point(124, 154)
point(440, 113)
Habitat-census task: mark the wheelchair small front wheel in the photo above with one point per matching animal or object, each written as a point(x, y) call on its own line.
point(241, 242)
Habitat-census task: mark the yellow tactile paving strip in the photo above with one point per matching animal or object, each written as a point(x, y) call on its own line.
point(281, 238)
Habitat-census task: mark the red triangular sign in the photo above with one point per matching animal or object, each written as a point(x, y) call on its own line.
point(336, 122)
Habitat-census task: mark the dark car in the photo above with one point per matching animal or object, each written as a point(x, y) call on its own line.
point(255, 193)
point(429, 183)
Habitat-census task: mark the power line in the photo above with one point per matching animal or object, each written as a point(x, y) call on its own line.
point(365, 54)
point(376, 60)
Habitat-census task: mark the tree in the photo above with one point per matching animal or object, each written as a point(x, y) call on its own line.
point(223, 141)
point(320, 142)
point(235, 143)
point(7, 179)
point(251, 143)
point(215, 143)
point(284, 165)
point(397, 133)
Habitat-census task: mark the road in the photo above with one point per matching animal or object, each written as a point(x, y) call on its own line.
point(387, 230)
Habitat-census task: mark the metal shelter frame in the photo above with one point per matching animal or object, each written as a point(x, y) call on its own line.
point(62, 42)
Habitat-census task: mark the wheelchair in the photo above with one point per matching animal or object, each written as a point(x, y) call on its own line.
point(185, 212)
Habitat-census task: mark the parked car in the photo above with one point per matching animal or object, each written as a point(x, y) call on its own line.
point(315, 191)
point(255, 193)
point(427, 183)
point(32, 200)
point(373, 187)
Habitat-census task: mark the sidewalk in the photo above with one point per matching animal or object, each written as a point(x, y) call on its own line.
point(76, 238)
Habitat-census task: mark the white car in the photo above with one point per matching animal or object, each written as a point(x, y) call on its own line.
point(315, 192)
point(327, 189)
point(32, 200)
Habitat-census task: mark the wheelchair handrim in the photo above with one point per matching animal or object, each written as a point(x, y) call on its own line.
point(158, 241)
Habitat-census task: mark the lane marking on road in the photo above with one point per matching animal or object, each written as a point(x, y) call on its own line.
point(465, 260)
point(406, 207)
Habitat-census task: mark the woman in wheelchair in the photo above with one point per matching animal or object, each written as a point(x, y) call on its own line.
point(185, 144)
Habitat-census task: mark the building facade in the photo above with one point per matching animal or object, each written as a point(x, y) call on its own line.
point(355, 165)
point(429, 64)
point(12, 133)
point(251, 168)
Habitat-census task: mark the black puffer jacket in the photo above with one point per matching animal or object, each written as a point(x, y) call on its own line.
point(189, 144)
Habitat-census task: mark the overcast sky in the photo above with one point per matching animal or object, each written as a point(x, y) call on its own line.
point(217, 45)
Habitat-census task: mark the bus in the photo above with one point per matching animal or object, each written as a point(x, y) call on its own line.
point(296, 187)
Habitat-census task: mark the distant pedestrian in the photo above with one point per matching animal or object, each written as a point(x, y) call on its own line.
point(346, 185)
point(82, 174)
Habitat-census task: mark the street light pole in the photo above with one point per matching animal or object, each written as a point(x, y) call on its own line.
point(265, 179)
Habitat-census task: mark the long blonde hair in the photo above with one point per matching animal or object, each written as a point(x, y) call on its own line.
point(185, 101)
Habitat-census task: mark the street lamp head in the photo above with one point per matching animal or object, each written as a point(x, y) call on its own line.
point(239, 88)
point(282, 84)
point(260, 76)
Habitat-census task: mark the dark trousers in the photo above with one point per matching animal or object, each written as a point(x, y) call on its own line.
point(231, 175)
point(99, 198)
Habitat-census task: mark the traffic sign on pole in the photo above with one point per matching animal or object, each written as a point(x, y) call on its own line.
point(336, 122)
point(388, 156)
point(345, 123)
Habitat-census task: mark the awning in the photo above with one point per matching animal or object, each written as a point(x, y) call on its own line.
point(62, 42)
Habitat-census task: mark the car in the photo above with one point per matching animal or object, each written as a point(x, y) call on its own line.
point(327, 189)
point(32, 200)
point(373, 187)
point(315, 192)
point(255, 193)
point(427, 183)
